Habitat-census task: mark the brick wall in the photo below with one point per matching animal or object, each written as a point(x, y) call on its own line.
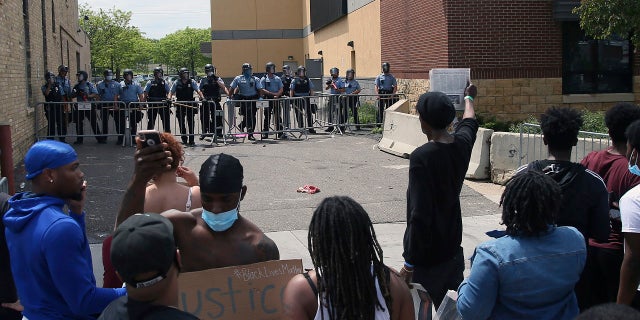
point(22, 87)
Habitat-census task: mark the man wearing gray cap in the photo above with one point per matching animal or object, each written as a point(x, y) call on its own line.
point(146, 258)
point(215, 235)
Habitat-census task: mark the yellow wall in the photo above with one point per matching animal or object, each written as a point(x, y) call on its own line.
point(256, 14)
point(229, 55)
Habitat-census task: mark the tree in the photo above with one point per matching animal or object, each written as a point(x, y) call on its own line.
point(114, 42)
point(604, 19)
point(182, 49)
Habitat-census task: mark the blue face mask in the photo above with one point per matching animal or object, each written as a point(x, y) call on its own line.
point(220, 221)
point(634, 168)
point(246, 73)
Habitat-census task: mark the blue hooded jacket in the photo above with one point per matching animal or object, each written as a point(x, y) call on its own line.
point(51, 260)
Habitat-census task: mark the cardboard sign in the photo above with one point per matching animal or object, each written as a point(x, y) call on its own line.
point(251, 291)
point(84, 105)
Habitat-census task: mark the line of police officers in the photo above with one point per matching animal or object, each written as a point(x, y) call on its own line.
point(246, 88)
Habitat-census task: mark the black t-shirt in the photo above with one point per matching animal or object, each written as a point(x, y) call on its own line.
point(125, 309)
point(434, 217)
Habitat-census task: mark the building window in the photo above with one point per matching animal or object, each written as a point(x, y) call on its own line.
point(594, 66)
point(53, 16)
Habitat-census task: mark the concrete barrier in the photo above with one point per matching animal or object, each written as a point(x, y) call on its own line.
point(479, 165)
point(402, 133)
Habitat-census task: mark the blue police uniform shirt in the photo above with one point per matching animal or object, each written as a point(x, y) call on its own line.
point(129, 93)
point(87, 87)
point(351, 85)
point(247, 87)
point(205, 81)
point(386, 81)
point(339, 84)
point(108, 90)
point(293, 87)
point(64, 84)
point(147, 87)
point(273, 84)
point(194, 85)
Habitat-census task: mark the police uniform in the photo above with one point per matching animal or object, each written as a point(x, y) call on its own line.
point(386, 83)
point(350, 87)
point(54, 112)
point(81, 92)
point(335, 88)
point(130, 92)
point(184, 91)
point(210, 87)
point(301, 87)
point(248, 89)
point(271, 86)
point(108, 91)
point(286, 87)
point(157, 90)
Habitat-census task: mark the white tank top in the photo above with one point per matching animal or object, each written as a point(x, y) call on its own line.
point(188, 204)
point(381, 314)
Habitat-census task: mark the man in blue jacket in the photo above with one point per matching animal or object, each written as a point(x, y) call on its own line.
point(50, 256)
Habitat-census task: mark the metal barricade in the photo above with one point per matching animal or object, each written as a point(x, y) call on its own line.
point(532, 146)
point(4, 185)
point(69, 119)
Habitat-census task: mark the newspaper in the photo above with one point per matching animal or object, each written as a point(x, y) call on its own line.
point(451, 82)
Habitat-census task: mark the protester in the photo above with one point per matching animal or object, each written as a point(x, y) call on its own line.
point(11, 307)
point(146, 258)
point(215, 235)
point(585, 200)
point(354, 282)
point(50, 255)
point(605, 258)
point(432, 252)
point(530, 273)
point(630, 217)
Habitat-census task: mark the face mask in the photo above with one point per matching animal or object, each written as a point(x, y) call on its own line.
point(246, 72)
point(109, 78)
point(209, 74)
point(634, 168)
point(220, 221)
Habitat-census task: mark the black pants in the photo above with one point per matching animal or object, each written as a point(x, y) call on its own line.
point(210, 121)
point(135, 116)
point(600, 278)
point(353, 104)
point(188, 114)
point(248, 110)
point(56, 121)
point(440, 278)
point(80, 115)
point(274, 107)
point(165, 116)
point(10, 314)
point(300, 107)
point(384, 103)
point(119, 117)
point(104, 115)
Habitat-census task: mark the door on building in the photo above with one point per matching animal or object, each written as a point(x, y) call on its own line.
point(314, 72)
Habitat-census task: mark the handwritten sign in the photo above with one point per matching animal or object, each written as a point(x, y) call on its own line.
point(251, 291)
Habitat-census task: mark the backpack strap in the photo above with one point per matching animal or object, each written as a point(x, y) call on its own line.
point(311, 284)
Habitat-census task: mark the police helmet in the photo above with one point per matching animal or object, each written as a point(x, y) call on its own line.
point(209, 68)
point(386, 66)
point(63, 68)
point(351, 73)
point(84, 74)
point(246, 66)
point(107, 72)
point(183, 71)
point(48, 75)
point(127, 72)
point(334, 71)
point(270, 67)
point(301, 70)
point(158, 70)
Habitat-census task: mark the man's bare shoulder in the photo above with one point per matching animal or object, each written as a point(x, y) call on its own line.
point(267, 249)
point(182, 218)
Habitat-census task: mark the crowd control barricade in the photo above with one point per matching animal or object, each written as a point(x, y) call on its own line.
point(78, 120)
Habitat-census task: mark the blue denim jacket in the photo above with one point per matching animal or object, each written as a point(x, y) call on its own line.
point(517, 277)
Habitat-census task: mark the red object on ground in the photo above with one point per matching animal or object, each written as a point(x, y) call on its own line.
point(309, 189)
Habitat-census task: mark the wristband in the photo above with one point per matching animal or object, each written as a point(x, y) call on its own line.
point(468, 97)
point(407, 264)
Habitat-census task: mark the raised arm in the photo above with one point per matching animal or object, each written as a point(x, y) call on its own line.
point(470, 94)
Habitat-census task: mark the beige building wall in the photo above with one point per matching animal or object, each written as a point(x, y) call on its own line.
point(229, 55)
point(51, 43)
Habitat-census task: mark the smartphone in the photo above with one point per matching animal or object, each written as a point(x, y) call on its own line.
point(149, 138)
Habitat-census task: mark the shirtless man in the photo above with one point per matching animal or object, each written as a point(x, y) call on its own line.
point(215, 235)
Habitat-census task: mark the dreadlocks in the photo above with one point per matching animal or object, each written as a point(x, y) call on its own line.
point(345, 255)
point(530, 203)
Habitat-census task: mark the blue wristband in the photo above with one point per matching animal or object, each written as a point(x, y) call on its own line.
point(469, 97)
point(407, 264)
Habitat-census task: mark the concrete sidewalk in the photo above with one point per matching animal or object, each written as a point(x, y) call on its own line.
point(293, 244)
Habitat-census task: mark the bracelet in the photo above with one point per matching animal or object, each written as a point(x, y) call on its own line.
point(406, 270)
point(407, 264)
point(468, 97)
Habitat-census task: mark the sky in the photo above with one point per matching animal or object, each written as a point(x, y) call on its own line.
point(160, 17)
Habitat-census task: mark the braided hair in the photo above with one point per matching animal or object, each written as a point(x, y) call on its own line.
point(345, 255)
point(530, 203)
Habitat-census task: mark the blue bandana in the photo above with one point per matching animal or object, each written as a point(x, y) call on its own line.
point(48, 154)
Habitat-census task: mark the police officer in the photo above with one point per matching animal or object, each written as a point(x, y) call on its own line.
point(157, 90)
point(65, 88)
point(54, 112)
point(84, 92)
point(351, 86)
point(247, 87)
point(286, 88)
point(210, 87)
point(130, 91)
point(335, 85)
point(108, 89)
point(183, 90)
point(301, 86)
point(271, 89)
point(385, 84)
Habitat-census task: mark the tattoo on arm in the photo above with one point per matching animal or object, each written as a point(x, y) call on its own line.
point(267, 249)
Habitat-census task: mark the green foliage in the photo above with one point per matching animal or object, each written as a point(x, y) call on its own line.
point(593, 121)
point(490, 122)
point(182, 49)
point(603, 19)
